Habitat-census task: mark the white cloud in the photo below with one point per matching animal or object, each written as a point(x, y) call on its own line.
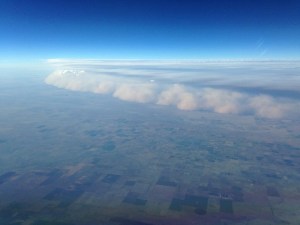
point(104, 87)
point(178, 95)
point(222, 101)
point(136, 92)
point(266, 106)
point(132, 84)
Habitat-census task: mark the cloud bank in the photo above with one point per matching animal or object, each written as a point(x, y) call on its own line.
point(137, 84)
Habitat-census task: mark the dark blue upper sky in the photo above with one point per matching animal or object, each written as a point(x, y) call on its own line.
point(151, 29)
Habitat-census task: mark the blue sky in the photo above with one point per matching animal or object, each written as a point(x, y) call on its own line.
point(149, 29)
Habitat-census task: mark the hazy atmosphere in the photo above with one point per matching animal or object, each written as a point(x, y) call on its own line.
point(127, 112)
